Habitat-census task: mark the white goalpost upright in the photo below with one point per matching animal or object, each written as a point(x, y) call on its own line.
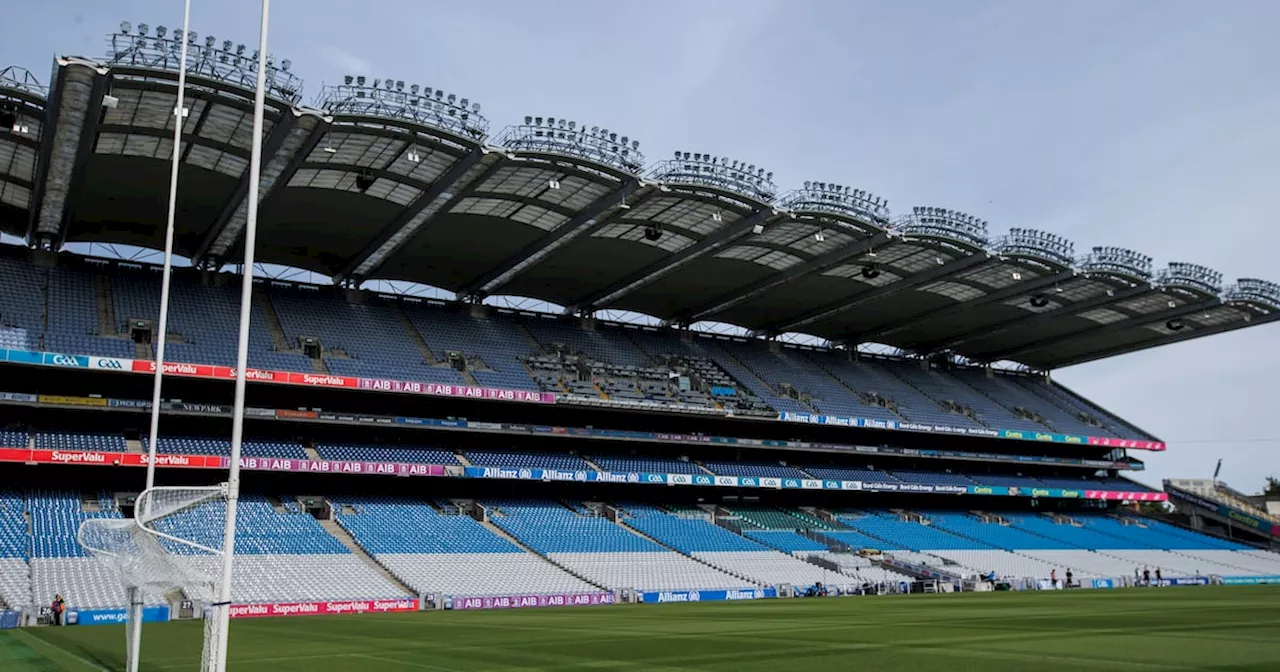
point(217, 658)
point(169, 545)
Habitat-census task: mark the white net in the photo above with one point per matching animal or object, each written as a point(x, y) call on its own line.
point(171, 550)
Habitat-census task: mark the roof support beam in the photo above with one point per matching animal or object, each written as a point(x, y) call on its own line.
point(375, 173)
point(653, 272)
point(71, 119)
point(538, 250)
point(816, 265)
point(166, 135)
point(195, 131)
point(1036, 318)
point(438, 197)
point(1168, 340)
point(862, 298)
point(292, 138)
point(1016, 289)
point(1104, 329)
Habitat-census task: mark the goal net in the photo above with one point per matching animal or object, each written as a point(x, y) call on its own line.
point(170, 551)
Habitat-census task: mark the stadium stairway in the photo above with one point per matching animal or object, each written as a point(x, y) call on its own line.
point(272, 321)
point(416, 338)
point(312, 454)
point(528, 336)
point(519, 544)
point(337, 532)
point(622, 523)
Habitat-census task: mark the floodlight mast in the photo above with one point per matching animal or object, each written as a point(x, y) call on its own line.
point(222, 607)
point(162, 328)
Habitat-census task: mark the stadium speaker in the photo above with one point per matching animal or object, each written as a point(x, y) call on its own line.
point(364, 181)
point(1174, 325)
point(871, 271)
point(652, 233)
point(1039, 300)
point(8, 117)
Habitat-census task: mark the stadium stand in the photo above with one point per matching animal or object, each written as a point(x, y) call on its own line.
point(212, 446)
point(601, 364)
point(436, 548)
point(284, 555)
point(602, 552)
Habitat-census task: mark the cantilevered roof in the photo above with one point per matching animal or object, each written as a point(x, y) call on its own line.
point(379, 179)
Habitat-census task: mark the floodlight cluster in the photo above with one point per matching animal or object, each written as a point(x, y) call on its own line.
point(563, 136)
point(357, 96)
point(1034, 243)
point(1195, 276)
point(226, 62)
point(838, 199)
point(717, 172)
point(1118, 260)
point(1257, 291)
point(945, 223)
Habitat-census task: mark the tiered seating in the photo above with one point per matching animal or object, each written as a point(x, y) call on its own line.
point(850, 474)
point(1101, 423)
point(605, 553)
point(1010, 394)
point(931, 477)
point(450, 554)
point(550, 528)
point(749, 469)
point(563, 461)
point(877, 379)
point(496, 342)
point(630, 364)
point(280, 556)
point(58, 564)
point(787, 542)
point(73, 317)
point(641, 464)
point(15, 576)
point(14, 439)
point(202, 320)
point(946, 389)
point(721, 548)
point(383, 453)
point(21, 307)
point(358, 339)
point(80, 441)
point(910, 535)
point(990, 535)
point(189, 445)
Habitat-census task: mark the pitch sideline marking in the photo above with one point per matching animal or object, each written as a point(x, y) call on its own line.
point(407, 663)
point(80, 659)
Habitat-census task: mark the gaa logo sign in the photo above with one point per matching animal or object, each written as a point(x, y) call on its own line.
point(67, 360)
point(110, 364)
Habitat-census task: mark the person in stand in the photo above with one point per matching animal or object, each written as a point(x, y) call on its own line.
point(59, 606)
point(1068, 577)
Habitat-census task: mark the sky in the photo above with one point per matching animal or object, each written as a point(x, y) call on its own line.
point(1143, 124)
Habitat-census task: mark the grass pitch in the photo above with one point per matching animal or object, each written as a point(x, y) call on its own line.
point(1224, 629)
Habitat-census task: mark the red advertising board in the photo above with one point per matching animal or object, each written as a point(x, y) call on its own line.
point(269, 609)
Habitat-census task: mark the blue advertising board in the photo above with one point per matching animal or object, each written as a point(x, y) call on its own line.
point(707, 595)
point(116, 616)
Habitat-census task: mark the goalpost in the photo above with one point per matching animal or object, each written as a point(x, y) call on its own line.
point(152, 551)
point(172, 549)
